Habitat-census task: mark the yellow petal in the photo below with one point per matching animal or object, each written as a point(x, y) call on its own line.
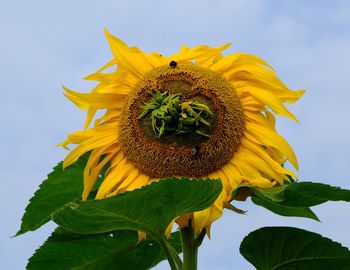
point(169, 229)
point(200, 219)
point(104, 138)
point(108, 116)
point(90, 115)
point(203, 55)
point(269, 137)
point(127, 58)
point(246, 156)
point(116, 177)
point(96, 100)
point(92, 172)
point(126, 182)
point(251, 175)
point(232, 174)
point(257, 149)
point(140, 181)
point(251, 104)
point(141, 236)
point(270, 100)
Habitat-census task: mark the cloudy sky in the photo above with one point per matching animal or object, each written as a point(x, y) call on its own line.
point(44, 44)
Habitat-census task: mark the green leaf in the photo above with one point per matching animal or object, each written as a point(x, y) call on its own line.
point(303, 194)
point(295, 199)
point(284, 248)
point(306, 194)
point(149, 209)
point(117, 250)
point(60, 187)
point(285, 210)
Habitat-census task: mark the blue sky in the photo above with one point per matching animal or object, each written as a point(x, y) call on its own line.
point(45, 44)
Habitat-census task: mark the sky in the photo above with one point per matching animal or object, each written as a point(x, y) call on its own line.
point(44, 44)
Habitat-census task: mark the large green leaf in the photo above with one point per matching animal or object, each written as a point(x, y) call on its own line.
point(60, 187)
point(284, 248)
point(149, 209)
point(295, 199)
point(117, 250)
point(284, 210)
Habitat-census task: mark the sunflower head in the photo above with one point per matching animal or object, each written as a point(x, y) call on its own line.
point(195, 114)
point(181, 120)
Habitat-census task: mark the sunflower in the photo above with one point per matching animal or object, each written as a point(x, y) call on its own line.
point(195, 114)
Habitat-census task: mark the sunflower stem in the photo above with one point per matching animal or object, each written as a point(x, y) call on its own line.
point(190, 245)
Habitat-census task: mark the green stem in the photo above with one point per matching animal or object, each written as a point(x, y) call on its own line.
point(190, 245)
point(174, 255)
point(169, 254)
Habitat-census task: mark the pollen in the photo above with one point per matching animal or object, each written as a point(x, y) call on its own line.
point(186, 154)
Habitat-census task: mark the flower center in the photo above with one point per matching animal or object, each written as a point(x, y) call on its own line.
point(167, 115)
point(181, 120)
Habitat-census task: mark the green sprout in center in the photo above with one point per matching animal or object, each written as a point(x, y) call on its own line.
point(169, 115)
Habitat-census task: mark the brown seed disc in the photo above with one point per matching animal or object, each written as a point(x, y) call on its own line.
point(189, 155)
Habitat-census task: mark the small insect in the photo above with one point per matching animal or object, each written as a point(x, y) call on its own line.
point(195, 150)
point(173, 64)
